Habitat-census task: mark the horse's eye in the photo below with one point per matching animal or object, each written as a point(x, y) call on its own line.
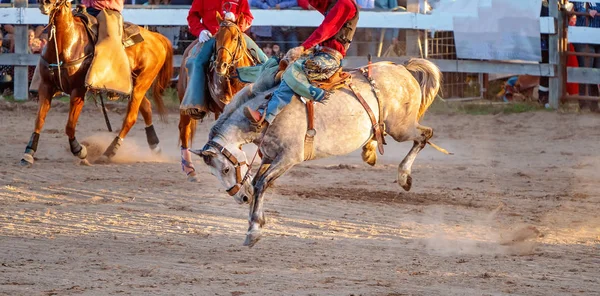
point(226, 171)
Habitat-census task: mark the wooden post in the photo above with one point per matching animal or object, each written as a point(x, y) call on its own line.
point(556, 55)
point(21, 40)
point(412, 36)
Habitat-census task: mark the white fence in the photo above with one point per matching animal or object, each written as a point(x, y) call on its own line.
point(176, 16)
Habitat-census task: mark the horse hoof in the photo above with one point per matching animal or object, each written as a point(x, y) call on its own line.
point(102, 160)
point(405, 181)
point(252, 237)
point(156, 150)
point(193, 177)
point(26, 161)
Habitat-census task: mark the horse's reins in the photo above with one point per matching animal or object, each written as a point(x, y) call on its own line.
point(237, 164)
point(233, 55)
point(59, 64)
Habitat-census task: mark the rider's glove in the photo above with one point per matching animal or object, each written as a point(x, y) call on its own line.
point(205, 35)
point(294, 53)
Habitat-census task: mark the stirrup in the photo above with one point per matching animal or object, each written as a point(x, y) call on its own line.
point(195, 113)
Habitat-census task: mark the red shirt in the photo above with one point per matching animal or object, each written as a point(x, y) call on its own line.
point(203, 14)
point(340, 13)
point(105, 4)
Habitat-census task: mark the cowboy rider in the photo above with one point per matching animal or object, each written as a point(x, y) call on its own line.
point(326, 47)
point(202, 22)
point(109, 49)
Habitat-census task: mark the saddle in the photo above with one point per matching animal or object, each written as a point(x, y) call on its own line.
point(336, 81)
point(131, 32)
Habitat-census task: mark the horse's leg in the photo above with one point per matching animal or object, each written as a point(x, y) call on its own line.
point(45, 93)
point(76, 103)
point(151, 137)
point(185, 136)
point(256, 218)
point(422, 135)
point(142, 85)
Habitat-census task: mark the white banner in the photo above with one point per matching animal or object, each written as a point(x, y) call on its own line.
point(504, 30)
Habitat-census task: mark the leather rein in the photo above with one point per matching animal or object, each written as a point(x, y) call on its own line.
point(60, 64)
point(234, 61)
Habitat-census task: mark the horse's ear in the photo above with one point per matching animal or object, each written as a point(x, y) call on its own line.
point(219, 18)
point(239, 20)
point(208, 153)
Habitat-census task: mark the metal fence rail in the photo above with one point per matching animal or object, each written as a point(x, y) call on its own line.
point(20, 15)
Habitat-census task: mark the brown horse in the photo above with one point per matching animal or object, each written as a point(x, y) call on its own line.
point(231, 53)
point(64, 64)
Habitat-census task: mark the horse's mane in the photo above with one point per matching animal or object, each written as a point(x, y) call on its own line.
point(238, 101)
point(266, 83)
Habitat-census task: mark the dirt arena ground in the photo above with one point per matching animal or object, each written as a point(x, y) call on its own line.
point(513, 212)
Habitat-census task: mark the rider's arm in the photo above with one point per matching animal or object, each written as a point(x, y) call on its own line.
point(245, 16)
point(195, 18)
point(341, 12)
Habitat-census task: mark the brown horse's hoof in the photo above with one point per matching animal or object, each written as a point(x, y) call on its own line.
point(27, 160)
point(193, 177)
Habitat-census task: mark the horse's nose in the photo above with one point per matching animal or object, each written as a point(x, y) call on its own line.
point(222, 69)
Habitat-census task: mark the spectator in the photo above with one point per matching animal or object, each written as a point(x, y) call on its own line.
point(277, 51)
point(390, 35)
point(544, 80)
point(261, 34)
point(183, 36)
point(593, 20)
point(364, 43)
point(286, 37)
point(2, 48)
point(268, 50)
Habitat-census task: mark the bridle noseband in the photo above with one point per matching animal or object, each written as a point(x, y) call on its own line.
point(237, 164)
point(234, 60)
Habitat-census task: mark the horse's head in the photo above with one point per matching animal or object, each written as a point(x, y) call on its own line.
point(229, 164)
point(48, 6)
point(230, 45)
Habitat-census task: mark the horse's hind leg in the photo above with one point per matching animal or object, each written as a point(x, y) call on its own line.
point(151, 137)
point(45, 93)
point(422, 134)
point(256, 218)
point(75, 106)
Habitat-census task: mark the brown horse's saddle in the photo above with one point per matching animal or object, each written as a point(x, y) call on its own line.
point(131, 32)
point(336, 81)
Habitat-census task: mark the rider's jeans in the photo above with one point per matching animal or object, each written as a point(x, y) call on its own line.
point(281, 97)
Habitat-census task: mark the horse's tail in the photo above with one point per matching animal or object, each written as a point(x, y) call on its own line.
point(429, 77)
point(163, 79)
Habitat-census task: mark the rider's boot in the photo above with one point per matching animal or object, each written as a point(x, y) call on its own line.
point(257, 120)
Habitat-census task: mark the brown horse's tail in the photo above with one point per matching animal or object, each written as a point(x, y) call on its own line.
point(163, 79)
point(429, 77)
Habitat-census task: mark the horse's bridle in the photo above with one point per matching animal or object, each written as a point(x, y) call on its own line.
point(234, 61)
point(52, 36)
point(236, 163)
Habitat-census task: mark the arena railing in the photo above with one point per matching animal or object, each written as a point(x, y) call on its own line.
point(168, 15)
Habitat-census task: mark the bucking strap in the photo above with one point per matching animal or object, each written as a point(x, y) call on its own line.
point(309, 138)
point(377, 131)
